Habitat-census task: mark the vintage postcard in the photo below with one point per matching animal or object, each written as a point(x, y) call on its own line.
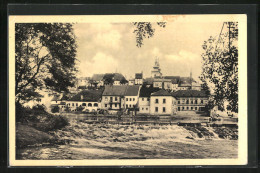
point(128, 90)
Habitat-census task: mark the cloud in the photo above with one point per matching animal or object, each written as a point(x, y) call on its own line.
point(109, 39)
point(182, 63)
point(100, 63)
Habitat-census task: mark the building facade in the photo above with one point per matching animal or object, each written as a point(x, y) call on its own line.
point(131, 96)
point(162, 103)
point(112, 97)
point(190, 100)
point(144, 99)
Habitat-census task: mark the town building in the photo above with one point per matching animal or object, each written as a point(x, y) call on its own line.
point(112, 97)
point(144, 98)
point(131, 96)
point(131, 82)
point(139, 79)
point(162, 103)
point(86, 101)
point(83, 82)
point(190, 100)
point(156, 72)
point(97, 80)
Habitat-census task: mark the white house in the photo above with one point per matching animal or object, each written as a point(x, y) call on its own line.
point(131, 96)
point(162, 103)
point(190, 100)
point(87, 100)
point(144, 99)
point(112, 97)
point(139, 79)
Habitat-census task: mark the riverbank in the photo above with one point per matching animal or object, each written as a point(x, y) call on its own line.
point(108, 141)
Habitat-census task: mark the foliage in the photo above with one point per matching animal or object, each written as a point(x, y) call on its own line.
point(145, 30)
point(220, 66)
point(55, 109)
point(38, 118)
point(123, 81)
point(45, 58)
point(80, 108)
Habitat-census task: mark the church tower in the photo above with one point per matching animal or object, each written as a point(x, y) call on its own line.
point(156, 72)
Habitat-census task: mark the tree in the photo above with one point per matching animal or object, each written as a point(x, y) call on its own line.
point(45, 58)
point(123, 81)
point(145, 30)
point(55, 109)
point(220, 66)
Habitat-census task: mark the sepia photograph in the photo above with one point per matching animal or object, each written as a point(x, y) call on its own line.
point(119, 90)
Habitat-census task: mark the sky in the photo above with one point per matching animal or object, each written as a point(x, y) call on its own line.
point(111, 47)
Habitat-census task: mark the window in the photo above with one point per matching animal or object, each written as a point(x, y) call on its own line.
point(142, 99)
point(115, 105)
point(106, 98)
point(76, 104)
point(126, 105)
point(187, 108)
point(130, 106)
point(133, 99)
point(195, 108)
point(187, 101)
point(179, 102)
point(105, 105)
point(156, 101)
point(164, 109)
point(164, 100)
point(126, 99)
point(156, 109)
point(111, 98)
point(196, 101)
point(182, 108)
point(191, 108)
point(191, 101)
point(130, 99)
point(148, 99)
point(84, 104)
point(90, 105)
point(142, 108)
point(201, 101)
point(115, 98)
point(95, 105)
point(147, 109)
point(72, 104)
point(179, 108)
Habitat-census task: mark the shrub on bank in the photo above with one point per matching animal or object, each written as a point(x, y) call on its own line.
point(38, 118)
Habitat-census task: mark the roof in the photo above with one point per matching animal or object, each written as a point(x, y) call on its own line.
point(132, 90)
point(174, 79)
point(88, 95)
point(161, 93)
point(84, 78)
point(147, 91)
point(138, 76)
point(185, 85)
point(162, 80)
point(189, 93)
point(118, 76)
point(97, 77)
point(115, 90)
point(186, 80)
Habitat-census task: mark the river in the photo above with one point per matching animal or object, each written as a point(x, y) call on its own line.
point(115, 141)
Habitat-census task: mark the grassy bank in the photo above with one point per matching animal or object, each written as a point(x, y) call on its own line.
point(34, 126)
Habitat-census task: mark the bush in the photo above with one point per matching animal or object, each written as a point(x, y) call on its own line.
point(55, 109)
point(38, 118)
